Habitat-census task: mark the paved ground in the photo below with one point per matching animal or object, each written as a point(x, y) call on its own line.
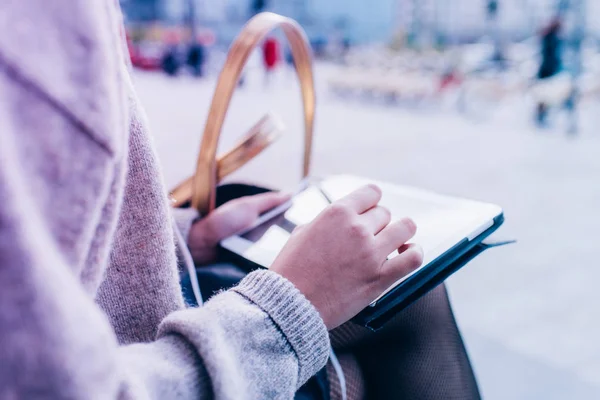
point(529, 312)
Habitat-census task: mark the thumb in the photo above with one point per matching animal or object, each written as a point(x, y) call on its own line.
point(240, 214)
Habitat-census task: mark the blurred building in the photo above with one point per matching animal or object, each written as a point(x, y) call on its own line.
point(363, 21)
point(357, 20)
point(142, 10)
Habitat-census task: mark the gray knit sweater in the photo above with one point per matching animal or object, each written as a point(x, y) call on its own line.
point(90, 305)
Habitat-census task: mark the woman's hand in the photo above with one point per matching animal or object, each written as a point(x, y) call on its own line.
point(230, 218)
point(339, 261)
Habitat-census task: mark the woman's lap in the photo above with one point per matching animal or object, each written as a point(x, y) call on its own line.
point(419, 354)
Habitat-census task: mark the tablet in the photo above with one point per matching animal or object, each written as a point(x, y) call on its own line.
point(447, 226)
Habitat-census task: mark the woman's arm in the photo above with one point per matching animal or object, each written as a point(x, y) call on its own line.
point(57, 165)
point(260, 340)
point(62, 124)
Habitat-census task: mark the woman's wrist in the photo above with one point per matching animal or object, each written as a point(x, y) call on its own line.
point(293, 314)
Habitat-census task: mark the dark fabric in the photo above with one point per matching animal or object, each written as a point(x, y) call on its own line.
point(317, 388)
point(212, 279)
point(418, 355)
point(233, 191)
point(354, 378)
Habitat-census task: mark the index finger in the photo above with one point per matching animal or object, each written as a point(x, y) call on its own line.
point(363, 199)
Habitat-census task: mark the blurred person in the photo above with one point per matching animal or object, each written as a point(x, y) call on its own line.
point(270, 49)
point(170, 59)
point(196, 58)
point(550, 66)
point(551, 49)
point(90, 302)
point(170, 62)
point(257, 6)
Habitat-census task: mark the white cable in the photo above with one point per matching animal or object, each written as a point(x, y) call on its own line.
point(339, 372)
point(189, 264)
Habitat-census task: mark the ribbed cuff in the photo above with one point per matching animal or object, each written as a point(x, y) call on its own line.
point(184, 218)
point(294, 315)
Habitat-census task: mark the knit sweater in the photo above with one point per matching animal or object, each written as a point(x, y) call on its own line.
point(90, 304)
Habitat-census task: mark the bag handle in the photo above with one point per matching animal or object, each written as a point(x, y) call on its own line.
point(265, 132)
point(205, 179)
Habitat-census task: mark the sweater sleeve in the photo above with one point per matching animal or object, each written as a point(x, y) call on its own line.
point(262, 339)
point(259, 340)
point(57, 162)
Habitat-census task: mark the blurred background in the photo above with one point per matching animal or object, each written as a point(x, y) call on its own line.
point(494, 100)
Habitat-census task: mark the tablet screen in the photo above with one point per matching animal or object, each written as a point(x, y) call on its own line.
point(305, 206)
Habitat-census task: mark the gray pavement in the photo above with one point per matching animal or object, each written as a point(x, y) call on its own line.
point(529, 312)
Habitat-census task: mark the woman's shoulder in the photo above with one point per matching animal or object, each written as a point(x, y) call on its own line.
point(67, 52)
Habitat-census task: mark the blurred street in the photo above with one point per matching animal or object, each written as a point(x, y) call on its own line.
point(528, 311)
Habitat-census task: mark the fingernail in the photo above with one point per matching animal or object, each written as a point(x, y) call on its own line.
point(410, 224)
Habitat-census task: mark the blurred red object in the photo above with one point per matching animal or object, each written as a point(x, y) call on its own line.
point(270, 52)
point(146, 56)
point(147, 52)
point(449, 79)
